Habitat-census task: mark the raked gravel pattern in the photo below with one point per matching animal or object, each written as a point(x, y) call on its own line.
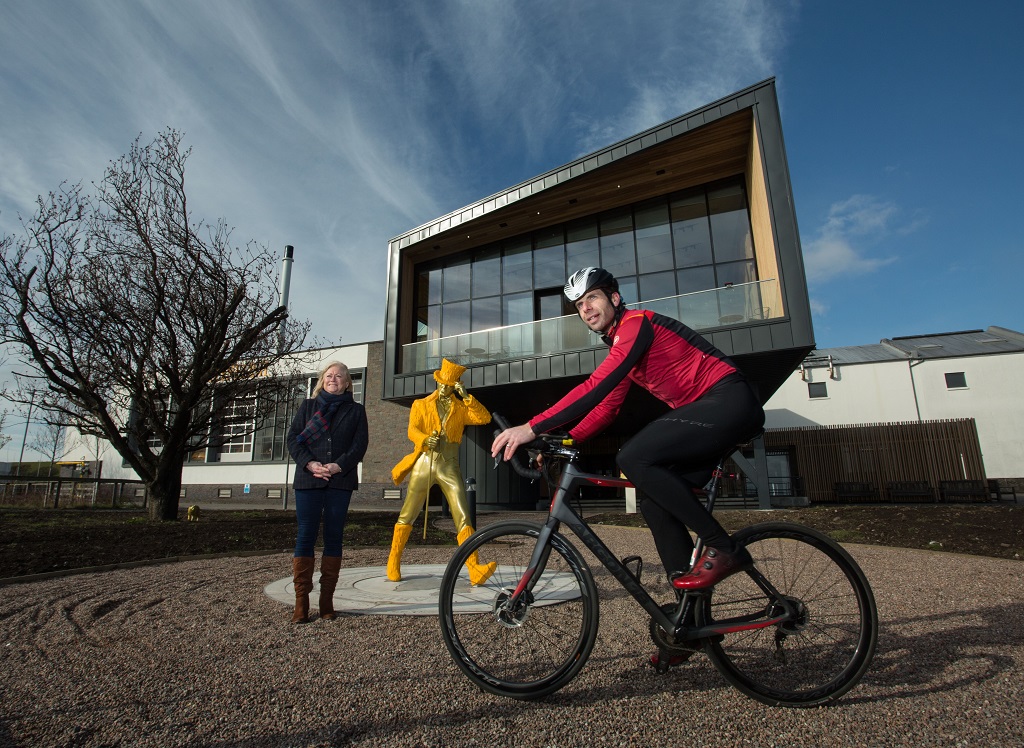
point(195, 654)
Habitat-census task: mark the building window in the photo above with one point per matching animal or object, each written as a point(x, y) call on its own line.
point(270, 437)
point(817, 389)
point(956, 380)
point(684, 242)
point(239, 424)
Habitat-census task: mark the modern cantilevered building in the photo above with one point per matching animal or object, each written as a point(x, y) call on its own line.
point(695, 218)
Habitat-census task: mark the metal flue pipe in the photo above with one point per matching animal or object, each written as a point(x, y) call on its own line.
point(284, 286)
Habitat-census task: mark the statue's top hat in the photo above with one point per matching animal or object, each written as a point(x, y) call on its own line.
point(449, 373)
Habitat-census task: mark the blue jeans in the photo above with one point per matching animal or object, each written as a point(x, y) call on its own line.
point(316, 506)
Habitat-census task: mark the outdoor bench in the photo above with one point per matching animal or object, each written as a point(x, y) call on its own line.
point(963, 490)
point(855, 491)
point(1000, 493)
point(910, 490)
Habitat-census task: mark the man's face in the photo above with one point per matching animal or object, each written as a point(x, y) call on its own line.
point(445, 390)
point(597, 310)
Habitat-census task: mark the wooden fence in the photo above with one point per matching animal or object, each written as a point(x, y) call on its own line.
point(880, 454)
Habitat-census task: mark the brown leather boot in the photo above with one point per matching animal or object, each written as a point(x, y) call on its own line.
point(398, 541)
point(330, 567)
point(478, 572)
point(302, 580)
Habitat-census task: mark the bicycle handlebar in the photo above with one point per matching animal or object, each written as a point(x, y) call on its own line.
point(557, 446)
point(516, 461)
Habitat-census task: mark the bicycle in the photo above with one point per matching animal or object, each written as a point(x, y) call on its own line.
point(798, 629)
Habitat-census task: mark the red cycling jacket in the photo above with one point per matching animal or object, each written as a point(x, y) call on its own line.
point(660, 354)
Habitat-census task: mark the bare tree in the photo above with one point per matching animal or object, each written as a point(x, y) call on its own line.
point(4, 438)
point(140, 324)
point(49, 440)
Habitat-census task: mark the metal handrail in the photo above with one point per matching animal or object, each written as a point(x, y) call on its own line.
point(732, 305)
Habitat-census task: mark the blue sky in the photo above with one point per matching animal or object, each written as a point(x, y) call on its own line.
point(334, 126)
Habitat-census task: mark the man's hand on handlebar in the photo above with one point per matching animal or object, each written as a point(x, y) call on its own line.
point(509, 440)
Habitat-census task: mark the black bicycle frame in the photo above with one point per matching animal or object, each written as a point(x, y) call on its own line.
point(561, 512)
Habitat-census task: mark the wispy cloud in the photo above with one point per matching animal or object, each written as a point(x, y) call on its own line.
point(695, 58)
point(843, 244)
point(336, 126)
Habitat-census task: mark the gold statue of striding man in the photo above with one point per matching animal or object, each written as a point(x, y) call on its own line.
point(436, 423)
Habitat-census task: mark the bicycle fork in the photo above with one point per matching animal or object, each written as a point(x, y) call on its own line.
point(538, 561)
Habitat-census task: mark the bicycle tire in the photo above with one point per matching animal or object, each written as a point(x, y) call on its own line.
point(803, 663)
point(535, 650)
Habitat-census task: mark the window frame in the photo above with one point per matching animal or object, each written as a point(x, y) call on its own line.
point(814, 387)
point(950, 385)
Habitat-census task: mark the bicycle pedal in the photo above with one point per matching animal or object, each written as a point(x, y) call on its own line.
point(638, 562)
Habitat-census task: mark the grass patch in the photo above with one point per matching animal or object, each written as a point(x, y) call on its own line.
point(847, 536)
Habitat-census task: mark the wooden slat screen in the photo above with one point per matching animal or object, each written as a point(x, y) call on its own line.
point(878, 453)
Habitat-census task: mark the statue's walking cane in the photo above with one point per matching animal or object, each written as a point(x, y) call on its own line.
point(430, 484)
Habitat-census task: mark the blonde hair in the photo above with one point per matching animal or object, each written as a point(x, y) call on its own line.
point(323, 373)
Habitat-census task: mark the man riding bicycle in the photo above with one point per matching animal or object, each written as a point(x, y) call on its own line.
point(712, 408)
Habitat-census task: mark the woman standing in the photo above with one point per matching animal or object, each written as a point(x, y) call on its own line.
point(327, 439)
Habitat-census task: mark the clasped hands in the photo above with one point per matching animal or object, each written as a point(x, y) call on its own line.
point(324, 472)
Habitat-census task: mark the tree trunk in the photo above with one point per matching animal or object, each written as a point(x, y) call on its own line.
point(164, 494)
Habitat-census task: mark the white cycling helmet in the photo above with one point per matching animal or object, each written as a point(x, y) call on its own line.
point(588, 278)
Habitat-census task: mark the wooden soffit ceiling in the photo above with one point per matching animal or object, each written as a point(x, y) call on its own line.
point(714, 151)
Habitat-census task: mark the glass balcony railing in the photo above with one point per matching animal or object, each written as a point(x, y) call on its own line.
point(729, 306)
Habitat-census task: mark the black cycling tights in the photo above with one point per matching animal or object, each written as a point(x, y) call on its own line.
point(677, 452)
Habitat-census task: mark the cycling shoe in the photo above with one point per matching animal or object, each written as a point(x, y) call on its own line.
point(662, 664)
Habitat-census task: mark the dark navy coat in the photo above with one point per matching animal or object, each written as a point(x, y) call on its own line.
point(344, 443)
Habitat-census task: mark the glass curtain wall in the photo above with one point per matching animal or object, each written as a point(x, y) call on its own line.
point(674, 245)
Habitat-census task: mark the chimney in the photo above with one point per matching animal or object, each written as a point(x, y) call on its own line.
point(286, 274)
point(283, 288)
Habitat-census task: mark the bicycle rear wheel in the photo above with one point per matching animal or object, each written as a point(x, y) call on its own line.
point(532, 649)
point(819, 656)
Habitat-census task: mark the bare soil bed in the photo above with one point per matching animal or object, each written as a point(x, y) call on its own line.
point(35, 541)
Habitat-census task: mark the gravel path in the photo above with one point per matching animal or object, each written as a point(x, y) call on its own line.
point(194, 654)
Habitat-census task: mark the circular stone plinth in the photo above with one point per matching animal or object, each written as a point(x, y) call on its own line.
point(367, 590)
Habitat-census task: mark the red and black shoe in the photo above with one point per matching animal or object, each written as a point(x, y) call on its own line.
point(662, 661)
point(714, 566)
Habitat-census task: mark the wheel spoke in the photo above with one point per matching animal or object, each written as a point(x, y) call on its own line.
point(824, 649)
point(535, 648)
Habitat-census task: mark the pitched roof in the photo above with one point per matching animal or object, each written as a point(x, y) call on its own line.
point(937, 345)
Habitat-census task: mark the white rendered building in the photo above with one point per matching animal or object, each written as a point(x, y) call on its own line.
point(970, 374)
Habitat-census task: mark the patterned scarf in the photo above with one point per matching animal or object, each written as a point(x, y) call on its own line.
point(317, 425)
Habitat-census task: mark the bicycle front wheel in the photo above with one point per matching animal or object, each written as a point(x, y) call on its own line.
point(820, 654)
point(529, 649)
